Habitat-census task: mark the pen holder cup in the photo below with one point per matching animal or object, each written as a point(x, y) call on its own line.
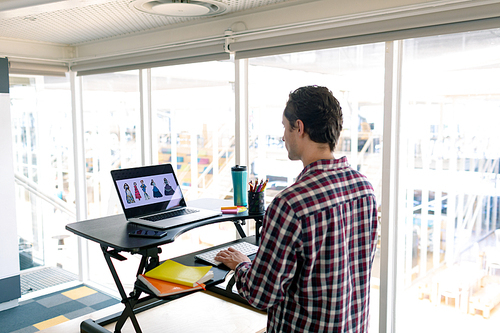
point(256, 202)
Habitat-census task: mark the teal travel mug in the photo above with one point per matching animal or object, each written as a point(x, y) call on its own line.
point(239, 174)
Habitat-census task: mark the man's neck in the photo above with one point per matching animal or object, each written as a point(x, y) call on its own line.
point(316, 155)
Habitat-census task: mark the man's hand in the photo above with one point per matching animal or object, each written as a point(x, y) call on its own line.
point(231, 257)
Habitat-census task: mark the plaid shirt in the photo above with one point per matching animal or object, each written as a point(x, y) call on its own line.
point(312, 269)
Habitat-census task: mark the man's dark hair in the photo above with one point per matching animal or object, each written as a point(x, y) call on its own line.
point(320, 112)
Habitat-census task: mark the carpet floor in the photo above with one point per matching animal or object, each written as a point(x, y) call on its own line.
point(39, 313)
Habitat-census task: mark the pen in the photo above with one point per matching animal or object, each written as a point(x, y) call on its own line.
point(265, 184)
point(253, 185)
point(260, 186)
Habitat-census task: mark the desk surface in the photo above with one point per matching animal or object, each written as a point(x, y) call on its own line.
point(112, 231)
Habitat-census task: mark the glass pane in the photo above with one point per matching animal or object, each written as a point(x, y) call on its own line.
point(449, 183)
point(355, 75)
point(111, 118)
point(42, 130)
point(193, 124)
point(193, 129)
point(111, 121)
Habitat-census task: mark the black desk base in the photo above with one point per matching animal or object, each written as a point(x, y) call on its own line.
point(134, 304)
point(112, 234)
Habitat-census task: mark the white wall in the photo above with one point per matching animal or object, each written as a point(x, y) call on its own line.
point(9, 252)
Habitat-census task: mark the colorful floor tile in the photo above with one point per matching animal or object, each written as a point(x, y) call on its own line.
point(46, 311)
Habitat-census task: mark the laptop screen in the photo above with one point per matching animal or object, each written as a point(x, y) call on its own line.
point(147, 190)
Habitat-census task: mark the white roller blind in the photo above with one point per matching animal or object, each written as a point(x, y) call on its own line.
point(26, 68)
point(152, 59)
point(376, 28)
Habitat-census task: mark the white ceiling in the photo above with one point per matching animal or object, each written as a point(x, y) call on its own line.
point(75, 22)
point(72, 33)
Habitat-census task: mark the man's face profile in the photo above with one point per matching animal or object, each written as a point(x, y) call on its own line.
point(289, 139)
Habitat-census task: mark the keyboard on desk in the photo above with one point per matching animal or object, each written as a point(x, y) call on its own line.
point(244, 247)
point(166, 215)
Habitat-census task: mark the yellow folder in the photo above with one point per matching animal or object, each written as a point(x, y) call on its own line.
point(174, 272)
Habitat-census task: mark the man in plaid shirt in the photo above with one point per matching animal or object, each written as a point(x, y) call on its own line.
point(312, 269)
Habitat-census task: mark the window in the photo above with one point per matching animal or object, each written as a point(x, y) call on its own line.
point(111, 118)
point(193, 124)
point(355, 76)
point(193, 129)
point(111, 104)
point(41, 122)
point(449, 182)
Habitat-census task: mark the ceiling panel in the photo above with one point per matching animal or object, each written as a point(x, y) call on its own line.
point(77, 22)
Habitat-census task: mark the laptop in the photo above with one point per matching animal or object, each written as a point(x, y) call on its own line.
point(151, 196)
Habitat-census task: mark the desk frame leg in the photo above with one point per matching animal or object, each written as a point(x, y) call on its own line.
point(238, 224)
point(129, 302)
point(258, 224)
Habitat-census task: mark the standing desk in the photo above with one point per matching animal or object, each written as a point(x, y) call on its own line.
point(111, 233)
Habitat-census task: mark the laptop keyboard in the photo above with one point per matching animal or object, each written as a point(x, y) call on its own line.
point(168, 215)
point(244, 247)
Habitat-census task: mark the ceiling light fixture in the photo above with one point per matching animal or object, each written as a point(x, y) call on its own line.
point(180, 8)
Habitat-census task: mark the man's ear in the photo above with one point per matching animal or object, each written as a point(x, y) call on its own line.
point(300, 125)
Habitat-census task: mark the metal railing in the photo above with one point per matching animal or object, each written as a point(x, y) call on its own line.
point(35, 189)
